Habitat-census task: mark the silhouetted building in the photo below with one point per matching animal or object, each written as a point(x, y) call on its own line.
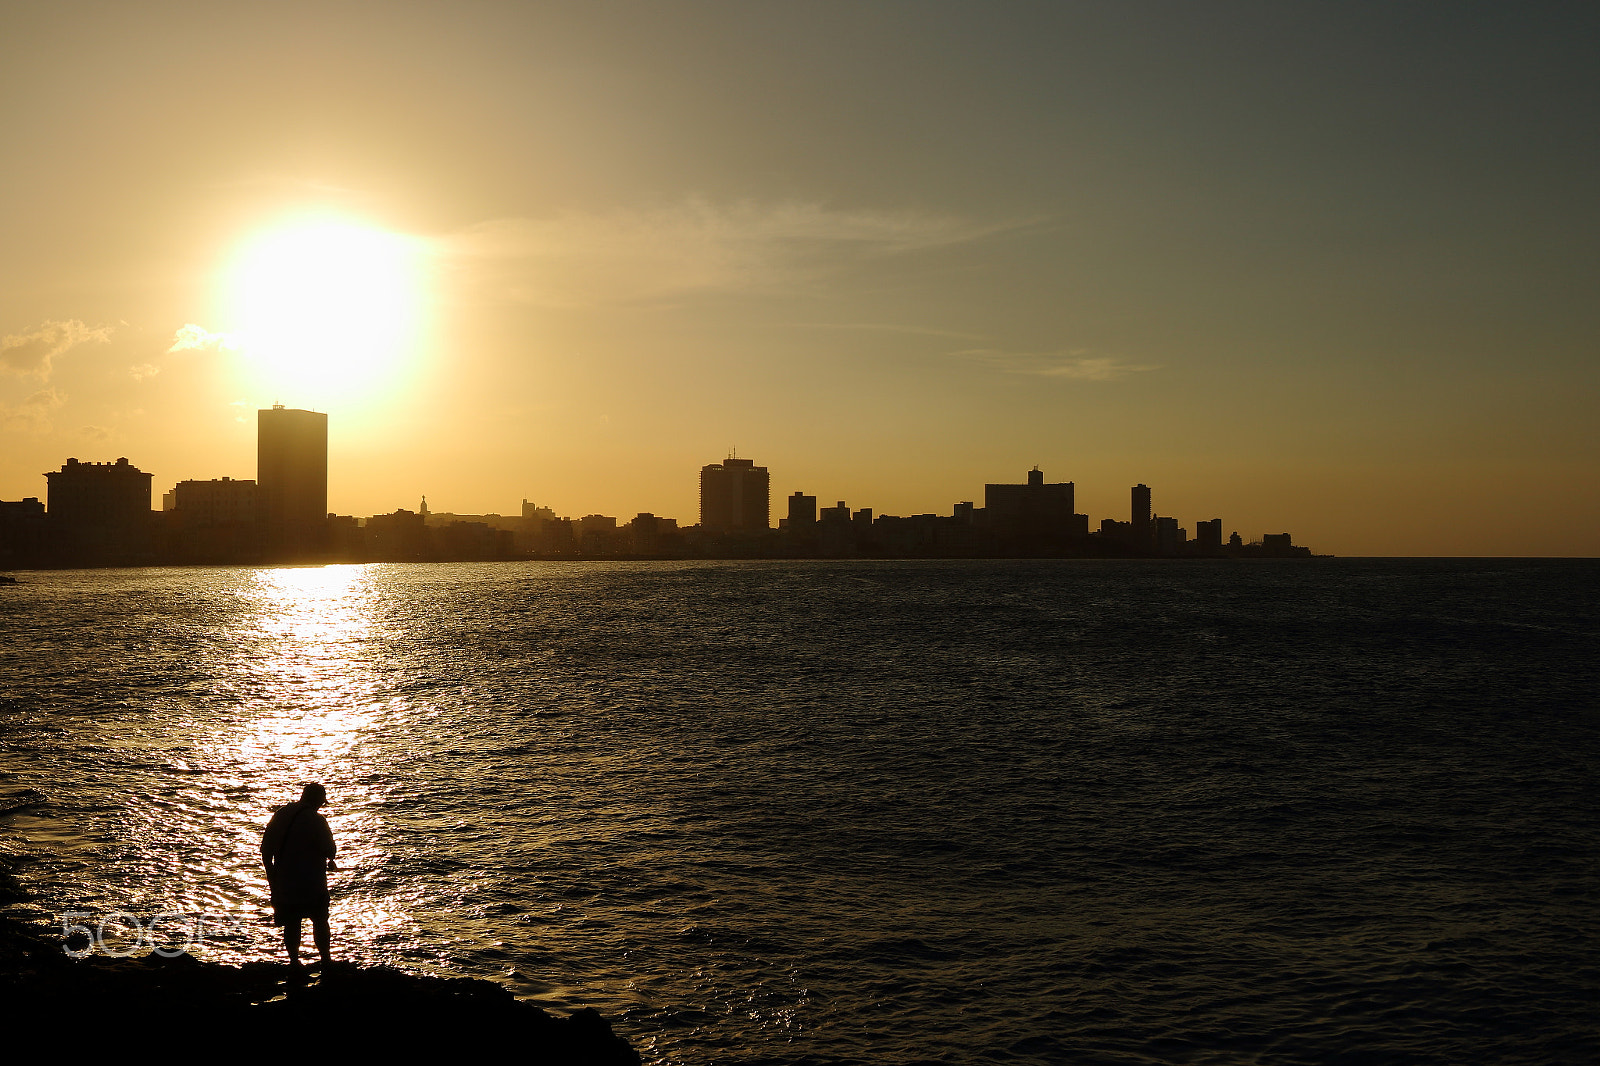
point(532, 512)
point(292, 477)
point(400, 536)
point(1034, 512)
point(1169, 536)
point(211, 522)
point(101, 510)
point(219, 502)
point(802, 510)
point(98, 494)
point(1141, 515)
point(653, 535)
point(837, 513)
point(733, 497)
point(24, 532)
point(1208, 535)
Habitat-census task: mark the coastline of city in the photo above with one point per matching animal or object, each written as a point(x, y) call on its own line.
point(100, 514)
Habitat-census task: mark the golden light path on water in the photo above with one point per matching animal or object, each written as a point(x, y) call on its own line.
point(313, 709)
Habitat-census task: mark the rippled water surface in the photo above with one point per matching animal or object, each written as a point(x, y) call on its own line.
point(1046, 812)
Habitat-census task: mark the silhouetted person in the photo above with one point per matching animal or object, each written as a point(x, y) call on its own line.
point(297, 849)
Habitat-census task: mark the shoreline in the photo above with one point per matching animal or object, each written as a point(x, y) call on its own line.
point(364, 1008)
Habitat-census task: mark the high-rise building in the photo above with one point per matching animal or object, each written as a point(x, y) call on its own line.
point(802, 510)
point(1170, 537)
point(292, 480)
point(98, 494)
point(733, 497)
point(101, 509)
point(1034, 510)
point(1142, 533)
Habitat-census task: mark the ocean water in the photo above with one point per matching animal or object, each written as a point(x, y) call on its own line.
point(1327, 811)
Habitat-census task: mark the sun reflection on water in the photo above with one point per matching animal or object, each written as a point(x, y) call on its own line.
point(312, 707)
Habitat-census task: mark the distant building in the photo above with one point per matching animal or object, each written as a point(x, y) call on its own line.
point(838, 513)
point(652, 534)
point(400, 536)
point(292, 476)
point(30, 509)
point(532, 512)
point(111, 495)
point(101, 510)
point(1169, 536)
point(1140, 518)
point(1208, 535)
point(24, 532)
point(219, 502)
point(802, 510)
point(1034, 511)
point(733, 497)
point(211, 522)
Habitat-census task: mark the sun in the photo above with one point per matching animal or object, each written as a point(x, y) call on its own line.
point(326, 308)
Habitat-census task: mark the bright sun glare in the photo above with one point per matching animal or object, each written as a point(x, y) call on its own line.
point(326, 308)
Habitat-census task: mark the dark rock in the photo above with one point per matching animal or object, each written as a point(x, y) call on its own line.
point(185, 1006)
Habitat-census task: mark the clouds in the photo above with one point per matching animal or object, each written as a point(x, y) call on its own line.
point(579, 259)
point(1076, 364)
point(32, 415)
point(33, 354)
point(193, 338)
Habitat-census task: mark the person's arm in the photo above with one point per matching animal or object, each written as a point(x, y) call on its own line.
point(329, 849)
point(270, 842)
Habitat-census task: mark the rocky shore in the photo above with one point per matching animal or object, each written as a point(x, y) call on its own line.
point(183, 1005)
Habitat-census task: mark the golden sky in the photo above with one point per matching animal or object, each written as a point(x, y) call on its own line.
point(1328, 269)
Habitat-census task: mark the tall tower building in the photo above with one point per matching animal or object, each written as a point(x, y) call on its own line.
point(292, 480)
point(1142, 531)
point(733, 497)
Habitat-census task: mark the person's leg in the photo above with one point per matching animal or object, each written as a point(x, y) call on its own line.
point(291, 940)
point(324, 939)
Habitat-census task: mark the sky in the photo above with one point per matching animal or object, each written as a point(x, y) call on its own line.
point(1321, 268)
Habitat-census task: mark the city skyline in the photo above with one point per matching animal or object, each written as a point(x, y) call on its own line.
point(100, 514)
point(1318, 269)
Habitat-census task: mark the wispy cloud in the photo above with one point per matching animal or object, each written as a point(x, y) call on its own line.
point(1077, 364)
point(886, 327)
point(34, 353)
point(643, 256)
point(193, 338)
point(143, 370)
point(32, 415)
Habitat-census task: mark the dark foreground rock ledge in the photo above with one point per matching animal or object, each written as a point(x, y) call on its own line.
point(185, 1006)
